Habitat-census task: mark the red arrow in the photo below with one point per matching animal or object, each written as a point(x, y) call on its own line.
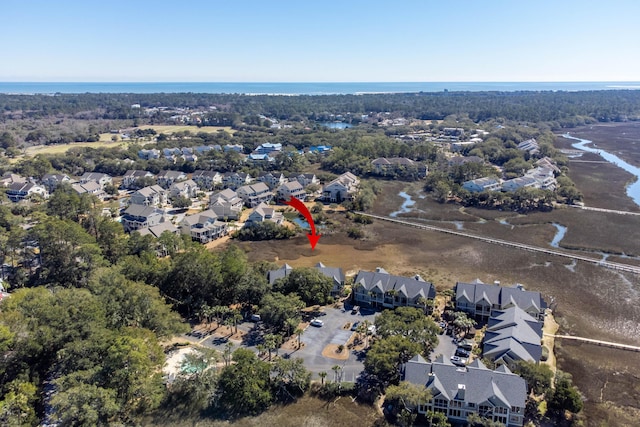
point(302, 208)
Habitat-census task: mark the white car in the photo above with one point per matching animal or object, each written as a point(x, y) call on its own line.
point(317, 322)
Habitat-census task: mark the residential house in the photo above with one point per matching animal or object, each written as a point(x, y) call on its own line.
point(234, 180)
point(520, 182)
point(395, 165)
point(381, 289)
point(137, 217)
point(202, 149)
point(101, 178)
point(90, 187)
point(51, 181)
point(291, 189)
point(272, 179)
point(153, 195)
point(187, 189)
point(482, 184)
point(498, 395)
point(10, 178)
point(512, 335)
point(260, 158)
point(457, 132)
point(334, 273)
point(238, 148)
point(342, 188)
point(320, 149)
point(461, 160)
point(130, 180)
point(149, 154)
point(262, 213)
point(167, 177)
point(548, 163)
point(268, 148)
point(545, 177)
point(203, 226)
point(157, 230)
point(530, 145)
point(305, 179)
point(480, 300)
point(18, 191)
point(254, 194)
point(226, 205)
point(207, 179)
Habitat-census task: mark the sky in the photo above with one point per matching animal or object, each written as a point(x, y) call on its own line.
point(319, 41)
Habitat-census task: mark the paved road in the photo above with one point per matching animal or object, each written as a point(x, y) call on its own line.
point(596, 261)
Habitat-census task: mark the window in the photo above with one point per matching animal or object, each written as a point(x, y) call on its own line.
point(471, 405)
point(456, 404)
point(499, 410)
point(455, 413)
point(440, 403)
point(516, 409)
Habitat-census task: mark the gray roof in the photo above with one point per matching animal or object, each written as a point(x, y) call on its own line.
point(169, 174)
point(481, 385)
point(280, 273)
point(513, 334)
point(157, 230)
point(500, 296)
point(142, 211)
point(380, 279)
point(200, 218)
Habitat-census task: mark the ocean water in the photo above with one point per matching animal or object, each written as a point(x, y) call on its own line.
point(307, 88)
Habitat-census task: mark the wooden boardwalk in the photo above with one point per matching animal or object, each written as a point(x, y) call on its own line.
point(609, 344)
point(531, 248)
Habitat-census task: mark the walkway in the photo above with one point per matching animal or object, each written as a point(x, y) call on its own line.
point(598, 342)
point(588, 208)
point(595, 261)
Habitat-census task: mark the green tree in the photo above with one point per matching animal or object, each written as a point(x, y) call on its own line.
point(566, 396)
point(244, 385)
point(411, 323)
point(85, 405)
point(289, 379)
point(277, 309)
point(17, 407)
point(386, 355)
point(313, 287)
point(68, 254)
point(181, 202)
point(537, 375)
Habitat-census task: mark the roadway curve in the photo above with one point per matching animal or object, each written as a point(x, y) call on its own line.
point(595, 261)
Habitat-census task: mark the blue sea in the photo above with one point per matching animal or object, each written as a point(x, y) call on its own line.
point(302, 88)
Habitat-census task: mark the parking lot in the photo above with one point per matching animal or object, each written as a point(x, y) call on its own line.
point(315, 339)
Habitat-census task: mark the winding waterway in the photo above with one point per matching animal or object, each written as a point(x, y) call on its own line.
point(633, 189)
point(406, 205)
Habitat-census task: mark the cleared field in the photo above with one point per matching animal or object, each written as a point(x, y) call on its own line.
point(62, 148)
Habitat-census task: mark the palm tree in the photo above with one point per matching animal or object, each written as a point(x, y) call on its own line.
point(228, 351)
point(299, 332)
point(335, 369)
point(425, 302)
point(322, 376)
point(236, 317)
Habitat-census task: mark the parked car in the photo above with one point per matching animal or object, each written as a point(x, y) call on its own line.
point(355, 326)
point(317, 323)
point(458, 361)
point(255, 318)
point(355, 309)
point(462, 352)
